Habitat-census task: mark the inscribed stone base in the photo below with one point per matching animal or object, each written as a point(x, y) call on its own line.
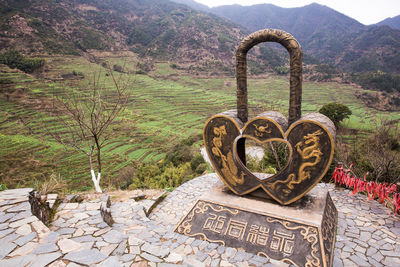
point(302, 233)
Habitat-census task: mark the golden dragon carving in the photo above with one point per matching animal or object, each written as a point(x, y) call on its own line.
point(229, 168)
point(311, 141)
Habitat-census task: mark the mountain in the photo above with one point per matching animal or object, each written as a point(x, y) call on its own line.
point(153, 28)
point(392, 22)
point(325, 34)
point(193, 4)
point(165, 30)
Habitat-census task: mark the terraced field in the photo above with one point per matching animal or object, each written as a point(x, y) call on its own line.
point(166, 107)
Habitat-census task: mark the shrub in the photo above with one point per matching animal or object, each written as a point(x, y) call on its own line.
point(335, 112)
point(275, 157)
point(196, 161)
point(179, 165)
point(14, 59)
point(54, 184)
point(378, 154)
point(201, 168)
point(118, 68)
point(77, 73)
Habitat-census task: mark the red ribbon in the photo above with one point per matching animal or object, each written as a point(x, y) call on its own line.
point(383, 191)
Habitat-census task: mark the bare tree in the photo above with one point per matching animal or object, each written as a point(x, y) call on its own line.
point(86, 115)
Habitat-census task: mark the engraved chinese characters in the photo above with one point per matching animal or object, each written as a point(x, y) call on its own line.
point(292, 242)
point(310, 139)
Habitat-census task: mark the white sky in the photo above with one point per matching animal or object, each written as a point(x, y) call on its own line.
point(365, 11)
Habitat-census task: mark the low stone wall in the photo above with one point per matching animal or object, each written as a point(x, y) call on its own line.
point(42, 206)
point(39, 207)
point(105, 210)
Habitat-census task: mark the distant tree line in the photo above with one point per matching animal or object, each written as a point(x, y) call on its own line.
point(378, 80)
point(14, 59)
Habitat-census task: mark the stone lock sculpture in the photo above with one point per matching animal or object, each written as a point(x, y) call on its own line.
point(309, 138)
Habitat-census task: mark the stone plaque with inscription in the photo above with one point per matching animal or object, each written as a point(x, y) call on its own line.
point(302, 234)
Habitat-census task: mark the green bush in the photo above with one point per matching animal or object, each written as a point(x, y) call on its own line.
point(14, 59)
point(77, 73)
point(3, 187)
point(275, 157)
point(118, 68)
point(335, 112)
point(196, 161)
point(377, 155)
point(201, 168)
point(161, 175)
point(179, 165)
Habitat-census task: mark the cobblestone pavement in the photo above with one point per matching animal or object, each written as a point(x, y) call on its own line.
point(367, 234)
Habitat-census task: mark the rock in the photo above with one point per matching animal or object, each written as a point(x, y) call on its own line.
point(73, 198)
point(193, 262)
point(114, 236)
point(40, 228)
point(23, 222)
point(6, 248)
point(101, 231)
point(150, 258)
point(155, 250)
point(110, 262)
point(105, 210)
point(67, 245)
point(39, 207)
point(45, 248)
point(93, 206)
point(78, 232)
point(21, 207)
point(139, 196)
point(84, 238)
point(140, 264)
point(52, 237)
point(107, 250)
point(127, 257)
point(134, 241)
point(24, 230)
point(81, 215)
point(120, 249)
point(359, 261)
point(85, 256)
point(24, 250)
point(58, 263)
point(174, 258)
point(71, 206)
point(25, 239)
point(45, 259)
point(17, 261)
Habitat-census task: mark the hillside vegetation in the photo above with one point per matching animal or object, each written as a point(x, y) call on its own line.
point(167, 107)
point(153, 29)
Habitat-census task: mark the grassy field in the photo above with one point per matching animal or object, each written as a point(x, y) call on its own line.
point(166, 107)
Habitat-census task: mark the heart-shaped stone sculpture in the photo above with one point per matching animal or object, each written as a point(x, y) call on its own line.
point(310, 141)
point(310, 138)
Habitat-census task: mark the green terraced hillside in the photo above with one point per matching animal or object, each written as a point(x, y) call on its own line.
point(166, 107)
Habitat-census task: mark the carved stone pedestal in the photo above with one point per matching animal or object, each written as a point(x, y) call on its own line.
point(302, 233)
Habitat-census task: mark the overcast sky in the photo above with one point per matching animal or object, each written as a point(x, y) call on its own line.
point(365, 11)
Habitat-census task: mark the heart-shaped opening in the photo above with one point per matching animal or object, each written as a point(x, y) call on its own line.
point(266, 159)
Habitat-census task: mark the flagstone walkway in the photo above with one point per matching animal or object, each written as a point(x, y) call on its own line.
point(367, 234)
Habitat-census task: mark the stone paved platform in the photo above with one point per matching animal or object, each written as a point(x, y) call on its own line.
point(367, 234)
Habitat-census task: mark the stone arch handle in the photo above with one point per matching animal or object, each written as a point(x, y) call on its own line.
point(296, 57)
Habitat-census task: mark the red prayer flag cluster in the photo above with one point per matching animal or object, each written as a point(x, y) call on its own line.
point(382, 191)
